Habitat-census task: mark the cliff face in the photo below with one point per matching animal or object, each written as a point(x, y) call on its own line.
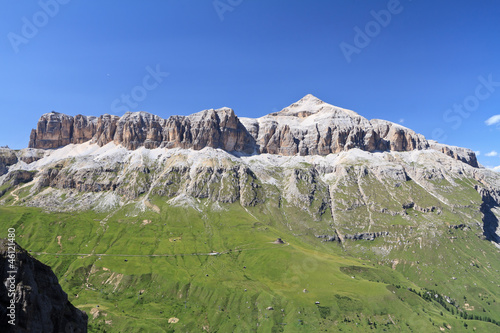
point(210, 128)
point(7, 158)
point(41, 306)
point(308, 127)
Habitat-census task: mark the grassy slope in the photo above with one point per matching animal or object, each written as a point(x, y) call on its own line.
point(207, 292)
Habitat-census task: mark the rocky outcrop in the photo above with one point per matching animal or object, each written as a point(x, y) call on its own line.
point(489, 195)
point(366, 235)
point(20, 176)
point(41, 304)
point(10, 157)
point(15, 178)
point(30, 155)
point(358, 236)
point(461, 154)
point(7, 158)
point(412, 205)
point(307, 127)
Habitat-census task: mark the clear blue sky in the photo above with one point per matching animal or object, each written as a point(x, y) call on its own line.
point(256, 56)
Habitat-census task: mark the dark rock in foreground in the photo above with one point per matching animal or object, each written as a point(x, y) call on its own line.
point(41, 304)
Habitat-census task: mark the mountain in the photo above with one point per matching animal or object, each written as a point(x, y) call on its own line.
point(177, 219)
point(42, 306)
point(307, 127)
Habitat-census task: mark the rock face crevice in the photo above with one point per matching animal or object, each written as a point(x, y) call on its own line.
point(307, 127)
point(491, 200)
point(41, 304)
point(490, 224)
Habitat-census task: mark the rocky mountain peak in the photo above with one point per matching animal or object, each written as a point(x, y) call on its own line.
point(308, 103)
point(311, 105)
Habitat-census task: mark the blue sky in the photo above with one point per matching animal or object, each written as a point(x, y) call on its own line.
point(432, 66)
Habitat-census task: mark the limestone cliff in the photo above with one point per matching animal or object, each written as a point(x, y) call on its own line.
point(210, 128)
point(307, 127)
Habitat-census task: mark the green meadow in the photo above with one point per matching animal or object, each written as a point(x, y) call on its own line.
point(218, 269)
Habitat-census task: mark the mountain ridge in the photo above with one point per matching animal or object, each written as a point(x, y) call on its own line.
point(136, 223)
point(309, 126)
